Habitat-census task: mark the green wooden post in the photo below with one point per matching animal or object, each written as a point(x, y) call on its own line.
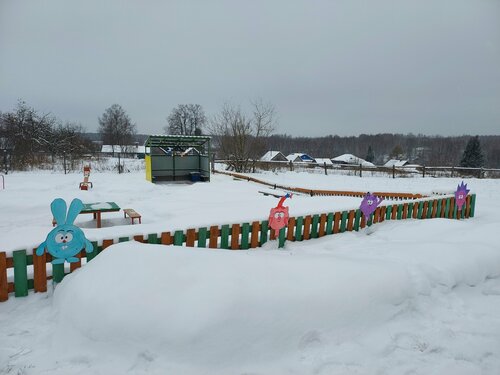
point(178, 237)
point(357, 220)
point(314, 227)
point(153, 238)
point(123, 239)
point(343, 221)
point(202, 237)
point(281, 238)
point(58, 272)
point(264, 227)
point(410, 210)
point(420, 209)
point(93, 254)
point(472, 205)
point(430, 207)
point(329, 223)
point(438, 210)
point(245, 232)
point(447, 208)
point(388, 212)
point(20, 273)
point(399, 215)
point(369, 222)
point(224, 236)
point(299, 223)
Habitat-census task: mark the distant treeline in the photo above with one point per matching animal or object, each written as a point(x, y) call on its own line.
point(419, 149)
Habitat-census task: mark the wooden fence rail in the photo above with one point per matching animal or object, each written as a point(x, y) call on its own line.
point(316, 192)
point(31, 272)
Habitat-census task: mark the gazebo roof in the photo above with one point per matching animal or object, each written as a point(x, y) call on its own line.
point(176, 140)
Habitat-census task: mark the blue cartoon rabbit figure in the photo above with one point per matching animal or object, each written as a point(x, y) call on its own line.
point(65, 240)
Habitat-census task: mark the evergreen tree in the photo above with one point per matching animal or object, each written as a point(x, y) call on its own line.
point(473, 156)
point(370, 156)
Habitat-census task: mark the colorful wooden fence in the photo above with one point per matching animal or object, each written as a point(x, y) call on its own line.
point(31, 272)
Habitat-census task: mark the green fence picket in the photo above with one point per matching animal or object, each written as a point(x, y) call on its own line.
point(472, 205)
point(20, 273)
point(178, 237)
point(93, 254)
point(357, 219)
point(399, 214)
point(410, 210)
point(299, 223)
point(153, 238)
point(245, 232)
point(430, 208)
point(314, 226)
point(438, 209)
point(420, 209)
point(388, 212)
point(447, 208)
point(202, 237)
point(58, 272)
point(224, 236)
point(343, 221)
point(264, 228)
point(282, 237)
point(329, 223)
point(123, 239)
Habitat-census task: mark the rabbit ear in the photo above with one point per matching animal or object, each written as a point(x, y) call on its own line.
point(74, 209)
point(58, 208)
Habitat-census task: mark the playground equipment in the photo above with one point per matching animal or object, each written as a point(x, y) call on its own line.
point(177, 157)
point(86, 174)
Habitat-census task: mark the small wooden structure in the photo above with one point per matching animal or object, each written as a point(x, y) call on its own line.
point(177, 157)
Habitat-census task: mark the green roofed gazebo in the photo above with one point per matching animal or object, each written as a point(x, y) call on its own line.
point(177, 157)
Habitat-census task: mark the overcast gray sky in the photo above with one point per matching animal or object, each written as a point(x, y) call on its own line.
point(330, 67)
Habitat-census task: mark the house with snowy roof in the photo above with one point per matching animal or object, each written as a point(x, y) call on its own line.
point(300, 158)
point(134, 150)
point(323, 161)
point(273, 156)
point(395, 163)
point(351, 159)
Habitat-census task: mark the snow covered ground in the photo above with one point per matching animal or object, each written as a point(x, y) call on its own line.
point(413, 297)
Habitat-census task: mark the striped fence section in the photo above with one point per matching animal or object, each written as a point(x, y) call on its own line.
point(31, 272)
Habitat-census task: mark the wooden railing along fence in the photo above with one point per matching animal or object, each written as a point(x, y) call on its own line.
point(32, 272)
point(316, 192)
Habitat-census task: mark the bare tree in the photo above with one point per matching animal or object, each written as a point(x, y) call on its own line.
point(116, 128)
point(241, 139)
point(186, 119)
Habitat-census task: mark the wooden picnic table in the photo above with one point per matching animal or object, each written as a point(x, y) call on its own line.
point(98, 208)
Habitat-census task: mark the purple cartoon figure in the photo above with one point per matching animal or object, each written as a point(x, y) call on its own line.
point(369, 204)
point(461, 195)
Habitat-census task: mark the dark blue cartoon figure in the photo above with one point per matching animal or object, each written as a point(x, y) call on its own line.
point(65, 240)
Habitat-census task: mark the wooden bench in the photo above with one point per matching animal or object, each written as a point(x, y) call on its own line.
point(132, 214)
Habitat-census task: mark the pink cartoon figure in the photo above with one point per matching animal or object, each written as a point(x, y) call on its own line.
point(461, 195)
point(278, 217)
point(369, 204)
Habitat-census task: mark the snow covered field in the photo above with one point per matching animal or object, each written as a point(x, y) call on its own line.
point(414, 296)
